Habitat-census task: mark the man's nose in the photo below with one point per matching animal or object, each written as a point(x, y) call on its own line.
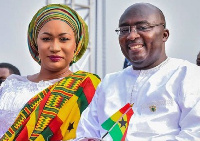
point(133, 34)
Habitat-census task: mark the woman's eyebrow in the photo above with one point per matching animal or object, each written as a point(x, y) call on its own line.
point(47, 33)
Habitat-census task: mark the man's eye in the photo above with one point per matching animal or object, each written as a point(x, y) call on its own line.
point(143, 28)
point(124, 30)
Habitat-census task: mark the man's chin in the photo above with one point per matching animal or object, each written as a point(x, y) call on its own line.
point(138, 64)
point(137, 61)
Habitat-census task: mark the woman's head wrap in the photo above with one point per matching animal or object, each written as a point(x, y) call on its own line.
point(63, 13)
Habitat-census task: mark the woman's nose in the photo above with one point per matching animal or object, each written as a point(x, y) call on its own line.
point(55, 47)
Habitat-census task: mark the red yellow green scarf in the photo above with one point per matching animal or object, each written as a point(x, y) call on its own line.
point(53, 114)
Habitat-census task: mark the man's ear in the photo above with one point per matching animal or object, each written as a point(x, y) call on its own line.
point(165, 35)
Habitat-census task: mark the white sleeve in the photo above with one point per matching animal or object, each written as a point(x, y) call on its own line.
point(89, 124)
point(1, 90)
point(189, 103)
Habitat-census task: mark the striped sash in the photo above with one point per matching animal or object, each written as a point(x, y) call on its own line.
point(53, 114)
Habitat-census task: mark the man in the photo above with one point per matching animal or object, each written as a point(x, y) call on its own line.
point(7, 69)
point(164, 91)
point(198, 59)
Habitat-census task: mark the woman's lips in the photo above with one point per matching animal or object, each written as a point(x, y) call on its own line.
point(55, 58)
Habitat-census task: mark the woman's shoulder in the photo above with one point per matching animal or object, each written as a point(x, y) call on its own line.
point(17, 77)
point(87, 74)
point(88, 78)
point(13, 83)
point(13, 78)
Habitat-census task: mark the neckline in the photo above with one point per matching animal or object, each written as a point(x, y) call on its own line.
point(50, 80)
point(154, 68)
point(44, 81)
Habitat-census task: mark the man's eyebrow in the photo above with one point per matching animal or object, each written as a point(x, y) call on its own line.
point(142, 22)
point(136, 23)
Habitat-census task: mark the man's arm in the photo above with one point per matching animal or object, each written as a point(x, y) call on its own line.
point(190, 114)
point(88, 125)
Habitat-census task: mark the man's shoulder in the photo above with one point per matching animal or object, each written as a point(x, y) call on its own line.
point(184, 68)
point(118, 75)
point(181, 63)
point(190, 65)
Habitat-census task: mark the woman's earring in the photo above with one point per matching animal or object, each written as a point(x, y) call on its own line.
point(74, 59)
point(39, 60)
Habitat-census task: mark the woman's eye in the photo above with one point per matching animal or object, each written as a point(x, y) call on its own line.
point(64, 39)
point(46, 39)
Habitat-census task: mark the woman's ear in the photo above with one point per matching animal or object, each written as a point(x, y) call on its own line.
point(165, 35)
point(75, 48)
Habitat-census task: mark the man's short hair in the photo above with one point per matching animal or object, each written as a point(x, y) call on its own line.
point(12, 68)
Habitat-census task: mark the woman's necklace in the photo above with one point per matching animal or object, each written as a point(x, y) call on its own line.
point(39, 78)
point(68, 72)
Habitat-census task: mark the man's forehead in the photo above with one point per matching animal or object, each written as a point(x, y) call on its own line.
point(140, 12)
point(134, 19)
point(4, 71)
point(142, 8)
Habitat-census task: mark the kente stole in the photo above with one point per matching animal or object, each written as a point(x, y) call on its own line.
point(53, 114)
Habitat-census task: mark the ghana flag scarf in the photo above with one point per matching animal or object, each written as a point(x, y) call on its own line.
point(53, 114)
point(117, 124)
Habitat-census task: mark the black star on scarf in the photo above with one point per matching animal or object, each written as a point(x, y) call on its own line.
point(71, 126)
point(123, 123)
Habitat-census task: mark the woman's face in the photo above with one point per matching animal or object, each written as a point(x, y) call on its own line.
point(56, 45)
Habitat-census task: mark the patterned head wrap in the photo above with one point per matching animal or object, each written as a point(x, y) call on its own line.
point(63, 13)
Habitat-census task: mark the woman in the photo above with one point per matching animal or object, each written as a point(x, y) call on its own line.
point(57, 37)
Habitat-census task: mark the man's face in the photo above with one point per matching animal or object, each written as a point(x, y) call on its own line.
point(198, 59)
point(145, 49)
point(4, 73)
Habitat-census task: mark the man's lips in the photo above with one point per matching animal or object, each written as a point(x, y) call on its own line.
point(55, 58)
point(135, 48)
